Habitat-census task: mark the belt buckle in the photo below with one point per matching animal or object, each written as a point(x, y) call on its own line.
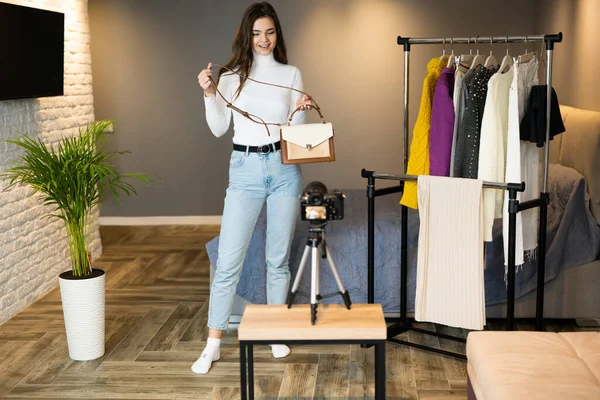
point(260, 149)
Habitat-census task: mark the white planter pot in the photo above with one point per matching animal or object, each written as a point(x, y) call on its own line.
point(83, 310)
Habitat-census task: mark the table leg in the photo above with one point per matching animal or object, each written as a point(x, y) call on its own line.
point(380, 371)
point(243, 370)
point(251, 371)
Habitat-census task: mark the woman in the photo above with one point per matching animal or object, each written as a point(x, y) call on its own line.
point(256, 173)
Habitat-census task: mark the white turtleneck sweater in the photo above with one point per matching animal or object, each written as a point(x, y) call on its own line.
point(272, 104)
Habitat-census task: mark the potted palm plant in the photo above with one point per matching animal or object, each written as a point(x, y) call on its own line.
point(73, 178)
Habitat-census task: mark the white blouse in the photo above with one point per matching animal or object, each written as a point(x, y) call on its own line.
point(492, 147)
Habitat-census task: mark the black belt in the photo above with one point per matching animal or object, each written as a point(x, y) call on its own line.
point(265, 149)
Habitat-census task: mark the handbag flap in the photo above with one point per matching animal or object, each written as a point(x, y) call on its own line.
point(307, 135)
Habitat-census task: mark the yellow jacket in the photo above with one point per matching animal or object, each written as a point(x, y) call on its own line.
point(418, 161)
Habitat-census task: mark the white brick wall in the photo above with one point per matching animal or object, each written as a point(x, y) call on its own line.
point(34, 251)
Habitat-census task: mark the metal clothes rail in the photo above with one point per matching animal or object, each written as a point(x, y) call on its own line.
point(513, 208)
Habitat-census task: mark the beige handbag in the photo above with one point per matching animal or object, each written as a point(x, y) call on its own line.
point(307, 143)
point(301, 143)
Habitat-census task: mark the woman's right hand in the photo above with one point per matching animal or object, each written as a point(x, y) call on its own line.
point(204, 79)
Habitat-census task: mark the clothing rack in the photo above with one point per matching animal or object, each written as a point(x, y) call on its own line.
point(514, 205)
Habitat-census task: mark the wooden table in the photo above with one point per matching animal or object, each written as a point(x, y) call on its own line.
point(267, 324)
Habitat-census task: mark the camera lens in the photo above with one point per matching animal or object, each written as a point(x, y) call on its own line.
point(315, 191)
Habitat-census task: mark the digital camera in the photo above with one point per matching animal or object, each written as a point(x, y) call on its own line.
point(319, 205)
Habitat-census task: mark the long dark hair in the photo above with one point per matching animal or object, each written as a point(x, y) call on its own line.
point(242, 44)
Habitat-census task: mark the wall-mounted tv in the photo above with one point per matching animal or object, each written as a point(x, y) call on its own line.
point(32, 45)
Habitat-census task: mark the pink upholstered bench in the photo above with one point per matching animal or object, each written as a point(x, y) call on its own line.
point(533, 365)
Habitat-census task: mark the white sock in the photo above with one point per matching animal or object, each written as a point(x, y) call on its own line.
point(280, 350)
point(212, 352)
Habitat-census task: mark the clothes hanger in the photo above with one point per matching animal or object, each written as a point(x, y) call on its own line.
point(524, 58)
point(452, 59)
point(465, 59)
point(478, 59)
point(491, 60)
point(507, 61)
point(444, 57)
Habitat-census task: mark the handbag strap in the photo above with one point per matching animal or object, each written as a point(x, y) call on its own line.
point(256, 118)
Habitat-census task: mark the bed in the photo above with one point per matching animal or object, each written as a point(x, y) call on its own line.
point(572, 287)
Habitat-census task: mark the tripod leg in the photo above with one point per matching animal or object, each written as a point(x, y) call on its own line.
point(292, 293)
point(314, 292)
point(318, 274)
point(343, 291)
point(314, 276)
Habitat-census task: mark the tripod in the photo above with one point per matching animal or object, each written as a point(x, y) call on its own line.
point(316, 237)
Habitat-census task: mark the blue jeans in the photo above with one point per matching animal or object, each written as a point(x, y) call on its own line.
point(253, 179)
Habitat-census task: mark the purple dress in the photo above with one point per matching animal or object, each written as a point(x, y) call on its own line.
point(442, 125)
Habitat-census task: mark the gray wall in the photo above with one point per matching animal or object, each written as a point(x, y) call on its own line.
point(576, 59)
point(147, 54)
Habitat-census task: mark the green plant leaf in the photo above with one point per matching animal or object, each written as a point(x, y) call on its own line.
point(72, 177)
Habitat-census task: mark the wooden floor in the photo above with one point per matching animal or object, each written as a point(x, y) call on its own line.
point(157, 288)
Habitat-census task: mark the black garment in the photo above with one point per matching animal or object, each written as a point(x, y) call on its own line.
point(466, 154)
point(533, 124)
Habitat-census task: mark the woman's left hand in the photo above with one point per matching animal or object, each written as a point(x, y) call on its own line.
point(304, 102)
